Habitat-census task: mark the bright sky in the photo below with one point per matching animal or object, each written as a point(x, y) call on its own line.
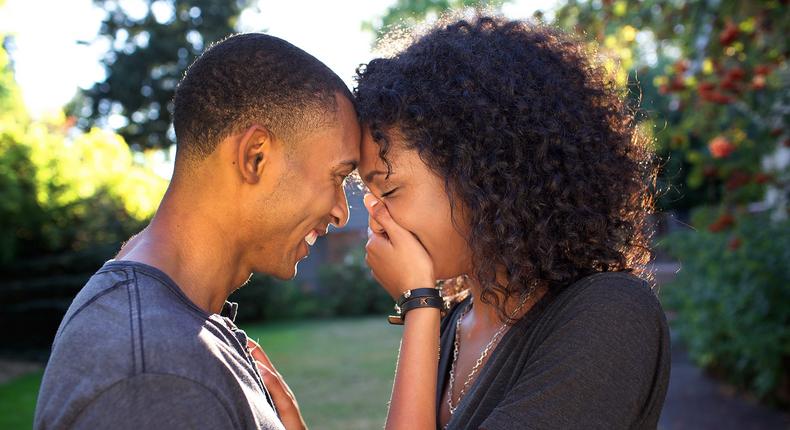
point(51, 64)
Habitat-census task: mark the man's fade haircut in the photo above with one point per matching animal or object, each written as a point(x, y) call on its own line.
point(248, 79)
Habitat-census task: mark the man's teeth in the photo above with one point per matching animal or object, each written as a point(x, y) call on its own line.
point(311, 238)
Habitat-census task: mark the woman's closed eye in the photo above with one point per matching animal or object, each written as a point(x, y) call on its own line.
point(389, 193)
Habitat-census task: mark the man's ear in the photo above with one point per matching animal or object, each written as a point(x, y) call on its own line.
point(254, 152)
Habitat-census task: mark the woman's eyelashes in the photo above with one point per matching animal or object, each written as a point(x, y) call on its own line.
point(388, 193)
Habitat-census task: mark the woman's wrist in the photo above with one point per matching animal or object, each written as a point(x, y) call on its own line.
point(423, 315)
point(418, 298)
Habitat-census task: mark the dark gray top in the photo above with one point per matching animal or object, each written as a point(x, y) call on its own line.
point(133, 352)
point(594, 356)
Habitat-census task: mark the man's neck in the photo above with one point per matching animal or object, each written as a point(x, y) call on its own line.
point(193, 248)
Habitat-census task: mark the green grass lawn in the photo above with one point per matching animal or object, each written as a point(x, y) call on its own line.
point(18, 401)
point(340, 370)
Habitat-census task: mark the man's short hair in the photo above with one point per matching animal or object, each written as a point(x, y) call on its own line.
point(247, 79)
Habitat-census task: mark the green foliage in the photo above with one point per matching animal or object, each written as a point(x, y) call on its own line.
point(346, 289)
point(67, 193)
point(713, 79)
point(732, 299)
point(11, 106)
point(266, 298)
point(64, 191)
point(349, 289)
point(149, 54)
point(407, 13)
point(707, 71)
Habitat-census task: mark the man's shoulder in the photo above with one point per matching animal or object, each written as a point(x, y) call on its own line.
point(131, 314)
point(120, 297)
point(126, 323)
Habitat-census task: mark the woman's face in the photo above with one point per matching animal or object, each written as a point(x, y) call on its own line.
point(415, 197)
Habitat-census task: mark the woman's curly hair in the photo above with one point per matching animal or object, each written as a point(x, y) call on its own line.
point(535, 140)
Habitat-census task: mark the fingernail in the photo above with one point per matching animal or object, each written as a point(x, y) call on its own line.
point(374, 203)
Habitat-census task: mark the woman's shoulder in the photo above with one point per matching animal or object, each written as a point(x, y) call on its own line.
point(610, 302)
point(614, 290)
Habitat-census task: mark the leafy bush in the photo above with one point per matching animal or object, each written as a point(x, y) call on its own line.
point(344, 289)
point(732, 299)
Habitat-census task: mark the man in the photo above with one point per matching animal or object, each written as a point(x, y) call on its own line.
point(266, 135)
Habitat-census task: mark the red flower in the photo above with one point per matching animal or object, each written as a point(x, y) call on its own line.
point(677, 84)
point(722, 223)
point(734, 243)
point(710, 171)
point(736, 74)
point(716, 97)
point(736, 180)
point(728, 84)
point(762, 178)
point(729, 34)
point(762, 69)
point(720, 147)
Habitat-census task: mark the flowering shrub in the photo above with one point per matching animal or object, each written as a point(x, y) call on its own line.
point(712, 79)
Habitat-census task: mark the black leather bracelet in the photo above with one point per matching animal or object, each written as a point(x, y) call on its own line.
point(415, 303)
point(418, 292)
point(416, 298)
point(422, 302)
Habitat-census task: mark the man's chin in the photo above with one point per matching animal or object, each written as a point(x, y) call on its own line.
point(288, 267)
point(285, 274)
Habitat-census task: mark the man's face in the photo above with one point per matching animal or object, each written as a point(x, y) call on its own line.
point(307, 195)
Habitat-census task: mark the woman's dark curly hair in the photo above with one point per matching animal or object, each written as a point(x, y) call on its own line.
point(532, 137)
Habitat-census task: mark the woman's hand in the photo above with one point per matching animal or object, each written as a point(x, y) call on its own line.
point(397, 260)
point(283, 397)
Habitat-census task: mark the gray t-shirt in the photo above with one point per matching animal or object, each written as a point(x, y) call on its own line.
point(596, 355)
point(133, 352)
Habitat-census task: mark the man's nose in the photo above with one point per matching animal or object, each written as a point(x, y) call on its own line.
point(340, 210)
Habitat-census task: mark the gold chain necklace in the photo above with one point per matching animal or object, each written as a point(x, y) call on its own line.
point(479, 361)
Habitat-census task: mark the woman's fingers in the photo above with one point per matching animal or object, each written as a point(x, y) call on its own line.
point(396, 257)
point(283, 398)
point(374, 225)
point(381, 216)
point(258, 354)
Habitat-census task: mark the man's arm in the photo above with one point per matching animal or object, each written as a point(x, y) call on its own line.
point(154, 401)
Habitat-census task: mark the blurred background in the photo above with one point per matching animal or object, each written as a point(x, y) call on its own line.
point(86, 151)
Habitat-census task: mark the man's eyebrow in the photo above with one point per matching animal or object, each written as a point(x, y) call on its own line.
point(351, 164)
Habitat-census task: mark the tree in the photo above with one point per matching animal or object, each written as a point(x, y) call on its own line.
point(149, 53)
point(407, 13)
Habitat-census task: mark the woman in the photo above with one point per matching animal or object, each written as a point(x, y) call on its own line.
point(501, 151)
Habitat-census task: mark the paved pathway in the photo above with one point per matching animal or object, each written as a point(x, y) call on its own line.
point(698, 402)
